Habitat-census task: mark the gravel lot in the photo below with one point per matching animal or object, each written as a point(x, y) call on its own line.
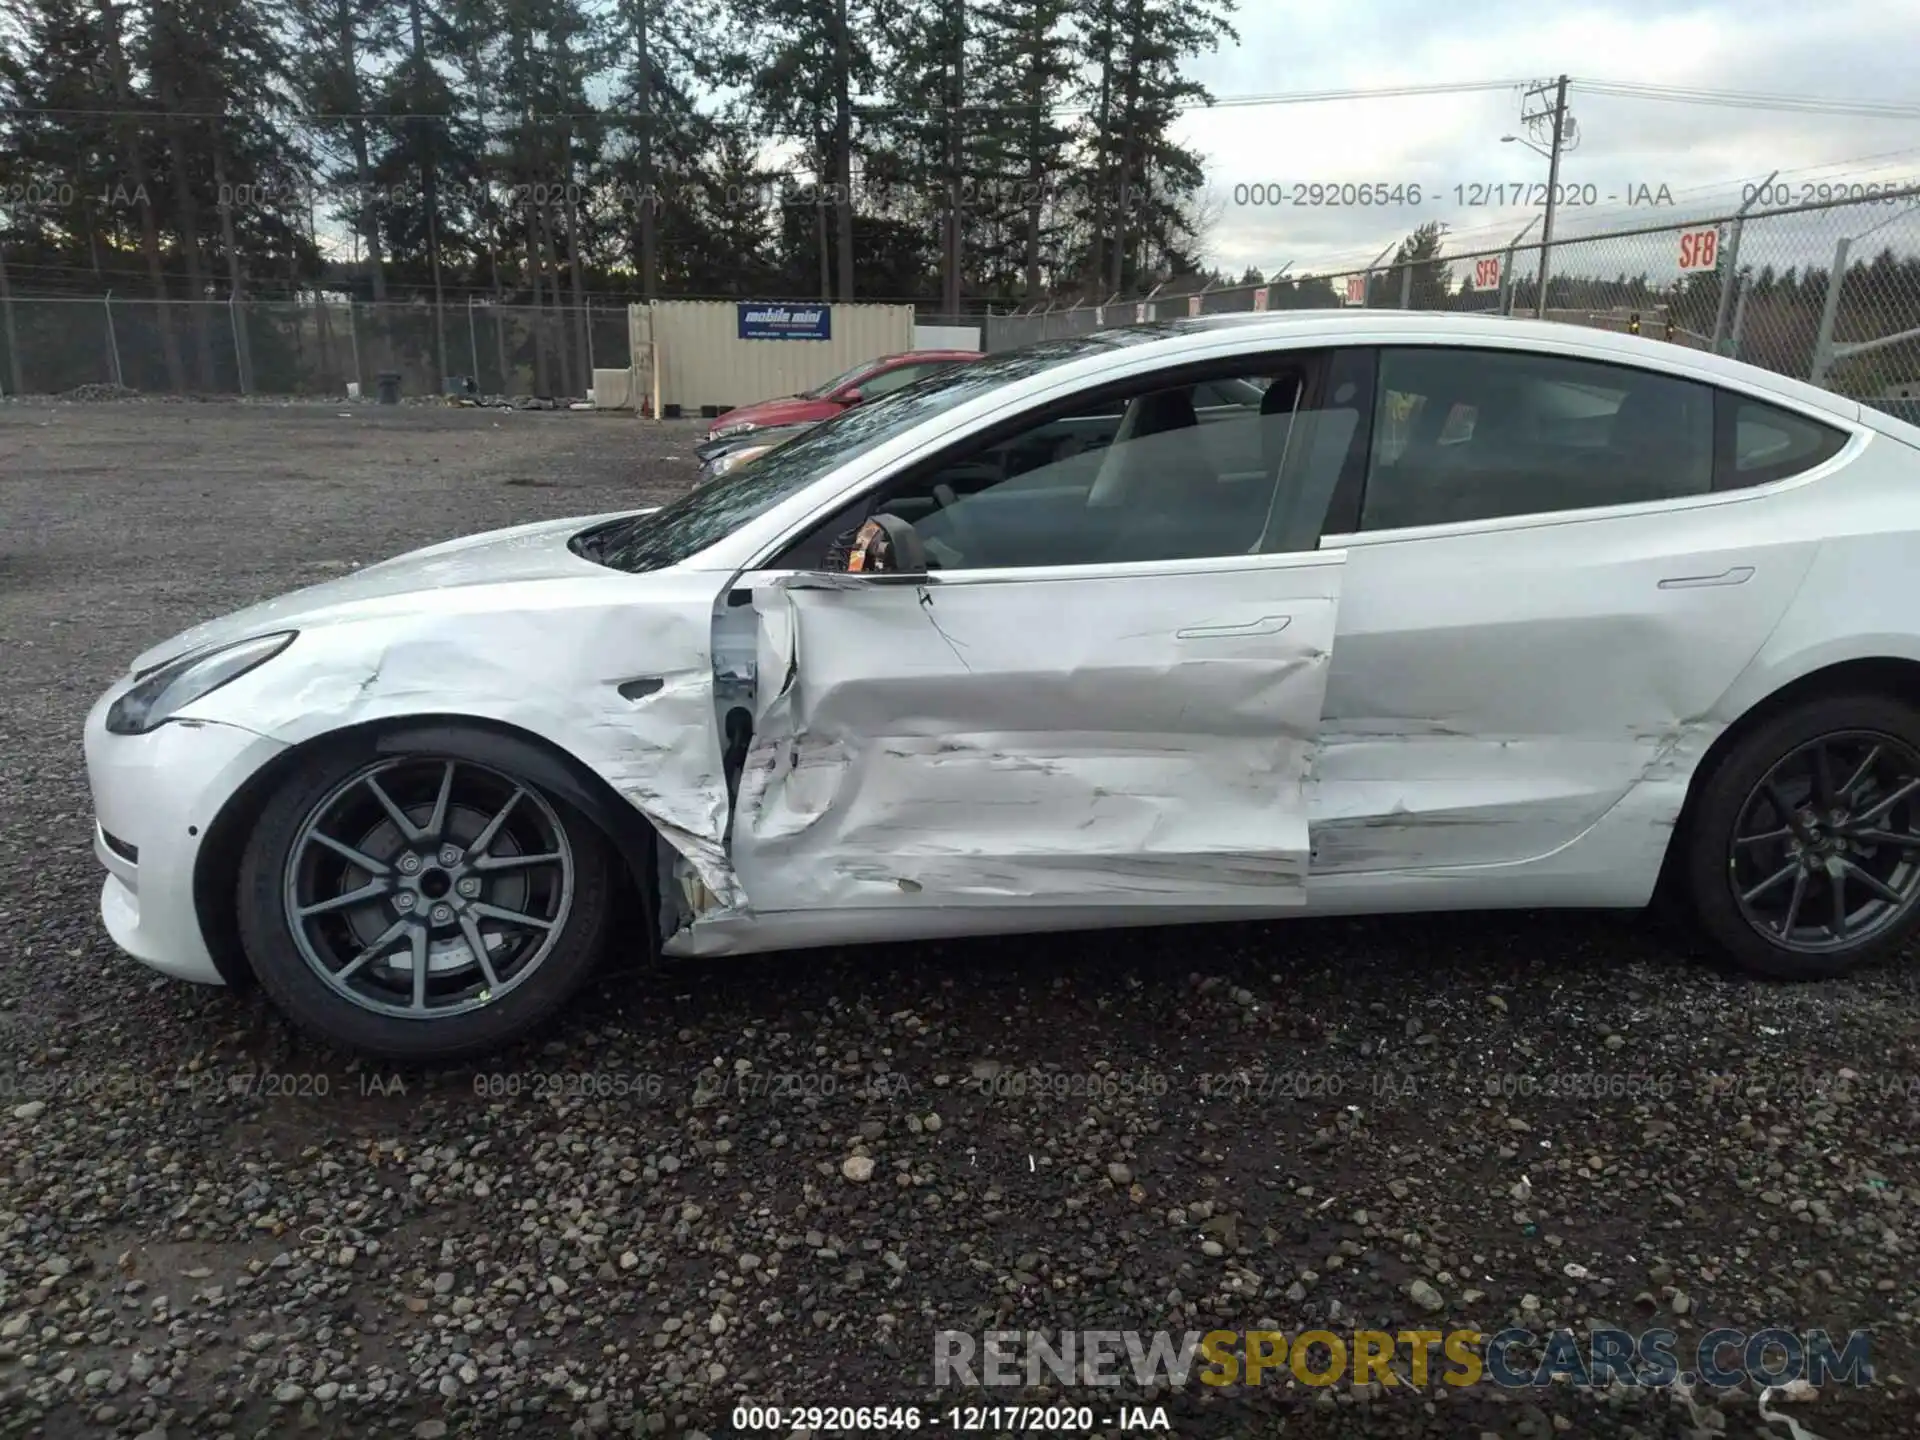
point(209, 1225)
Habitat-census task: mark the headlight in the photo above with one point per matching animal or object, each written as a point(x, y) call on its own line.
point(720, 432)
point(179, 683)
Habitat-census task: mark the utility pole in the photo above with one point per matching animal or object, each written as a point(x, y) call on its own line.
point(1564, 137)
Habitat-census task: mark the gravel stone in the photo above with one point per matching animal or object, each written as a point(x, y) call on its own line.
point(352, 1250)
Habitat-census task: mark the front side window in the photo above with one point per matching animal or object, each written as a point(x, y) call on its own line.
point(703, 517)
point(1181, 466)
point(1463, 435)
point(838, 382)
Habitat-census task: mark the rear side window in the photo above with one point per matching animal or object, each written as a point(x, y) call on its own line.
point(1759, 443)
point(1465, 434)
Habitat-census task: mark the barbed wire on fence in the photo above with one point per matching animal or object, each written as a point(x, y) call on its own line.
point(1826, 291)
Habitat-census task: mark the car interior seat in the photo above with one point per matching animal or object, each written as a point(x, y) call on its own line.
point(1160, 485)
point(1131, 467)
point(1653, 446)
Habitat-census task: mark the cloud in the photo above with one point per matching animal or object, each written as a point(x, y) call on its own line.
point(1706, 157)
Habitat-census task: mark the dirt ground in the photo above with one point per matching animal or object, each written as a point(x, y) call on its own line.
point(209, 1225)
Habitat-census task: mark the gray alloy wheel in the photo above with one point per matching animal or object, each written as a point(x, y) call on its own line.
point(1826, 852)
point(1801, 847)
point(424, 895)
point(424, 887)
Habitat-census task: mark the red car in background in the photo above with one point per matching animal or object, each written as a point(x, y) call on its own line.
point(867, 381)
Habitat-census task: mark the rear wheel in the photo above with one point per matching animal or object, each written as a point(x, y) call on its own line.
point(418, 905)
point(1804, 850)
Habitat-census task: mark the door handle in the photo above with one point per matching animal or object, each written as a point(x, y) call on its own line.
point(1738, 575)
point(1266, 625)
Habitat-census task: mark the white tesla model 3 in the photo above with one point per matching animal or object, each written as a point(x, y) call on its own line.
point(1240, 617)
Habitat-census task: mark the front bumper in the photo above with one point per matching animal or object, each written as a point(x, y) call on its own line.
point(155, 796)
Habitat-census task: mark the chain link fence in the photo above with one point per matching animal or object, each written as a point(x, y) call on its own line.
point(1824, 292)
point(316, 348)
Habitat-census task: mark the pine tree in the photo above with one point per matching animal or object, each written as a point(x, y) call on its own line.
point(217, 74)
point(933, 135)
point(802, 68)
point(57, 158)
point(728, 207)
point(665, 147)
point(546, 142)
point(1025, 67)
point(51, 55)
point(342, 45)
point(1428, 287)
point(429, 156)
point(1141, 216)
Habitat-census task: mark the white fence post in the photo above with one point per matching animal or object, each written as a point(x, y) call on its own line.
point(239, 356)
point(473, 344)
point(113, 343)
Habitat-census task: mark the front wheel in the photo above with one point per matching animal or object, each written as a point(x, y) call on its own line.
point(419, 906)
point(1804, 849)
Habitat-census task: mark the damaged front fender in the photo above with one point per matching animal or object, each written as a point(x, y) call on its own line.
point(618, 673)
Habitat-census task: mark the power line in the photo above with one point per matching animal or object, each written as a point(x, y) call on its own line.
point(1752, 99)
point(1323, 97)
point(866, 107)
point(1673, 94)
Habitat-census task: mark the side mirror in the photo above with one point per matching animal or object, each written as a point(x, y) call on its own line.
point(887, 545)
point(851, 397)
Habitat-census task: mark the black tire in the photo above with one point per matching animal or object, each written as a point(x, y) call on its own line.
point(289, 978)
point(1706, 869)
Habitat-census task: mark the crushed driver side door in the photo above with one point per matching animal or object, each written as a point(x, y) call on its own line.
point(1120, 736)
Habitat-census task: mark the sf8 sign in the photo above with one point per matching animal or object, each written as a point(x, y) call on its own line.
point(1699, 249)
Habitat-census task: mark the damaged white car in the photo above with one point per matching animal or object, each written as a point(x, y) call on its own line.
point(1236, 617)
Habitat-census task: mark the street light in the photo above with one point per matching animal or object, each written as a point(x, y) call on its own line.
point(1519, 140)
point(1565, 137)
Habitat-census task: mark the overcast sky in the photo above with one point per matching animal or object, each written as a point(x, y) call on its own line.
point(1847, 49)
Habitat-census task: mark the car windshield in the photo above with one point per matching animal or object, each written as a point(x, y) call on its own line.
point(702, 517)
point(845, 377)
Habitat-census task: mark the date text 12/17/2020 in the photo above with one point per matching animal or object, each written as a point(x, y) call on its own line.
point(962, 1419)
point(1469, 195)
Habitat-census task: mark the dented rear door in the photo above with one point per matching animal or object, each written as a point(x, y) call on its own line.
point(1135, 737)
